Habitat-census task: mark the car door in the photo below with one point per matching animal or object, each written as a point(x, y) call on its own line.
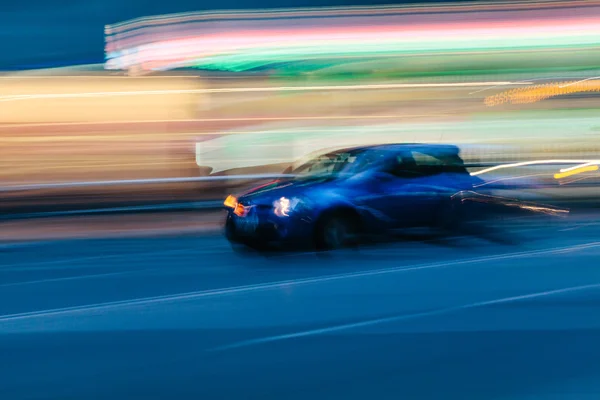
point(392, 192)
point(411, 186)
point(430, 185)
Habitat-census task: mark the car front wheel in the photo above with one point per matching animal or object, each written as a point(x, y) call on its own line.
point(337, 231)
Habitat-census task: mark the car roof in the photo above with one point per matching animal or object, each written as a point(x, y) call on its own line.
point(446, 148)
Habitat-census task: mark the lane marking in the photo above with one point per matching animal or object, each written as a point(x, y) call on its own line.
point(398, 318)
point(69, 278)
point(286, 283)
point(580, 225)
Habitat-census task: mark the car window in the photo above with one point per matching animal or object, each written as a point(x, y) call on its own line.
point(401, 166)
point(413, 164)
point(330, 164)
point(432, 164)
point(365, 160)
point(326, 164)
point(422, 159)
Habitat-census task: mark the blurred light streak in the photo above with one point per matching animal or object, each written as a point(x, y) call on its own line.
point(583, 80)
point(62, 185)
point(100, 164)
point(537, 93)
point(531, 81)
point(580, 166)
point(589, 168)
point(143, 22)
point(117, 136)
point(239, 41)
point(238, 119)
point(86, 77)
point(541, 209)
point(510, 202)
point(252, 89)
point(526, 163)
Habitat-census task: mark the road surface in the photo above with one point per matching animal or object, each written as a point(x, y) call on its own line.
point(182, 317)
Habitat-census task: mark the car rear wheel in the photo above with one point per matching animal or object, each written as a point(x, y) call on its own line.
point(337, 231)
point(450, 217)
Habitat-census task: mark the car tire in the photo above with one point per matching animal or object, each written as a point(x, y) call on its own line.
point(337, 231)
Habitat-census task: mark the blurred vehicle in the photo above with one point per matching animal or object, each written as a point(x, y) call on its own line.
point(336, 198)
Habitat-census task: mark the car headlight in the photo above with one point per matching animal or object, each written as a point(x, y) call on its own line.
point(284, 206)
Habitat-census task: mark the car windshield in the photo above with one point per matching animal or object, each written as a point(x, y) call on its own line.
point(330, 163)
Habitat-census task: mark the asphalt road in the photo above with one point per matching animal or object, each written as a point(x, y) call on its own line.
point(182, 317)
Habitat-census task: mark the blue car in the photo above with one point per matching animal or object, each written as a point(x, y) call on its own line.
point(336, 199)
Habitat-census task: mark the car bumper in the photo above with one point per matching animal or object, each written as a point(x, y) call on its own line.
point(266, 230)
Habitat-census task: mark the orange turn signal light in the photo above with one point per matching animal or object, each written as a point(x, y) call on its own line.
point(230, 202)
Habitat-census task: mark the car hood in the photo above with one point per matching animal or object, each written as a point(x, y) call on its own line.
point(269, 192)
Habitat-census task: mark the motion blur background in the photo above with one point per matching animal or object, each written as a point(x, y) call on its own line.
point(106, 91)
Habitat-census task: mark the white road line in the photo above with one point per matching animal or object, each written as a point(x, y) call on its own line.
point(272, 285)
point(70, 278)
point(578, 226)
point(398, 318)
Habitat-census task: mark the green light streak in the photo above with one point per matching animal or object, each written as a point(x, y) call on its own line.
point(344, 52)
